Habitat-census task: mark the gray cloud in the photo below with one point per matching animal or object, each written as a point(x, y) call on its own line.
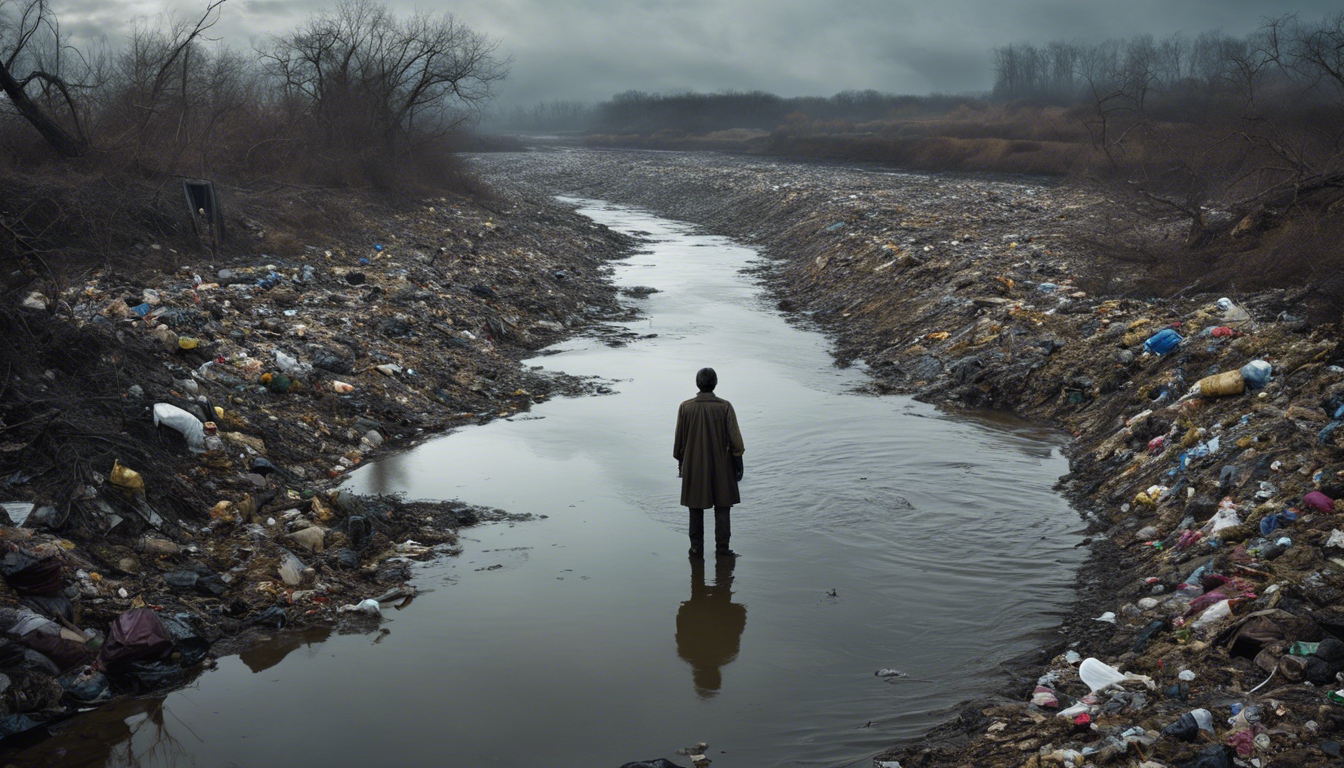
point(590, 49)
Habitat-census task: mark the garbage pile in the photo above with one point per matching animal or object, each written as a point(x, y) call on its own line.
point(1209, 630)
point(172, 437)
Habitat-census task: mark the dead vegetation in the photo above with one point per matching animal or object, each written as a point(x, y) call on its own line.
point(970, 292)
point(1226, 153)
point(94, 143)
point(356, 96)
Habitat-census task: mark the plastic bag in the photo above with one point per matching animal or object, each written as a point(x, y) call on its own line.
point(1319, 502)
point(290, 365)
point(1098, 675)
point(1213, 614)
point(1224, 518)
point(1220, 385)
point(371, 607)
point(1215, 756)
point(1189, 725)
point(85, 686)
point(1233, 315)
point(29, 576)
point(1256, 373)
point(135, 634)
point(168, 415)
point(1271, 523)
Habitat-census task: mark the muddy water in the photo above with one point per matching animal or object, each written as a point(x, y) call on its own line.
point(874, 532)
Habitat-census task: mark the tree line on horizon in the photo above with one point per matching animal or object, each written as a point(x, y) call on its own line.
point(637, 111)
point(1286, 59)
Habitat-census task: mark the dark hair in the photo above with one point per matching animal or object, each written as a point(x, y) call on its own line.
point(706, 379)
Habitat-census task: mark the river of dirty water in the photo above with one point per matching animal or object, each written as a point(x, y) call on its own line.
point(874, 533)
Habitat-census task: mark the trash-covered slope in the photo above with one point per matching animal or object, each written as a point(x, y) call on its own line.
point(1218, 558)
point(172, 428)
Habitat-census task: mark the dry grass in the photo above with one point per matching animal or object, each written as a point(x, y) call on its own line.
point(971, 137)
point(941, 153)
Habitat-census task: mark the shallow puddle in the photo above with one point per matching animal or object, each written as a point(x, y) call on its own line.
point(875, 533)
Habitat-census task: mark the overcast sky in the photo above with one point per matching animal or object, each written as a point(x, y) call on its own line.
point(591, 49)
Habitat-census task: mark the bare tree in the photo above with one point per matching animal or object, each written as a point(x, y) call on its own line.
point(1172, 61)
point(24, 27)
point(369, 77)
point(154, 78)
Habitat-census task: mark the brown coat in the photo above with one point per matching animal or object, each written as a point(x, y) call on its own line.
point(707, 439)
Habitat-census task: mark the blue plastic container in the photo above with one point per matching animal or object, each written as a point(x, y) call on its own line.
point(1162, 342)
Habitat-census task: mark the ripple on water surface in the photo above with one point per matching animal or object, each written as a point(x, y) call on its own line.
point(876, 533)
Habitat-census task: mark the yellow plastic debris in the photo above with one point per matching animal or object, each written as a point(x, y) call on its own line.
point(222, 511)
point(126, 479)
point(1221, 384)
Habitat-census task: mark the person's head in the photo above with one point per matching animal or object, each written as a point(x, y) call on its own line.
point(706, 379)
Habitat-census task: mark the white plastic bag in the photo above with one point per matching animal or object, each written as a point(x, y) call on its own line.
point(369, 606)
point(1213, 614)
point(290, 365)
point(1224, 518)
point(1098, 675)
point(168, 415)
point(1233, 315)
point(1074, 711)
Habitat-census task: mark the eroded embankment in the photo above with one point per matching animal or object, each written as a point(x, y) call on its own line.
point(275, 374)
point(979, 293)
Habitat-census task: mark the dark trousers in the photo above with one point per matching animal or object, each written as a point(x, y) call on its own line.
point(722, 529)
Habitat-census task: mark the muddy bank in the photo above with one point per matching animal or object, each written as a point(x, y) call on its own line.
point(172, 425)
point(1216, 563)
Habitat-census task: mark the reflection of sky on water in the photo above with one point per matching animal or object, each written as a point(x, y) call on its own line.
point(574, 639)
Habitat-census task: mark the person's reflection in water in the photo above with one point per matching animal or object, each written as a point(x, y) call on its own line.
point(709, 626)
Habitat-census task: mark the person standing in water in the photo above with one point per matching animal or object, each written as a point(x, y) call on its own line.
point(708, 450)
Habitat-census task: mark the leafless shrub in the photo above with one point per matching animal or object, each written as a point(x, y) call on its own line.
point(1242, 138)
point(355, 96)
